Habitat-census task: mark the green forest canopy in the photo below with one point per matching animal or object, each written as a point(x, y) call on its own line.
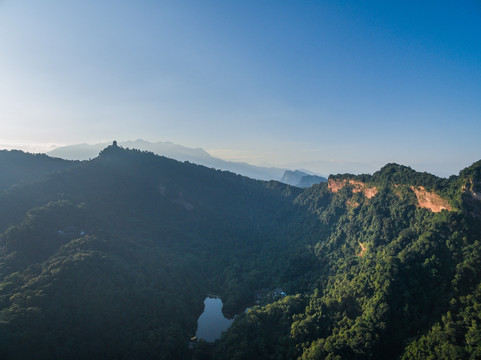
point(112, 258)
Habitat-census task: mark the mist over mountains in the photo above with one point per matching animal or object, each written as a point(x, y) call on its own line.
point(173, 151)
point(301, 179)
point(112, 258)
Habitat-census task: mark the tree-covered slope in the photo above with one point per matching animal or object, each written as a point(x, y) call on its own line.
point(112, 259)
point(18, 167)
point(397, 274)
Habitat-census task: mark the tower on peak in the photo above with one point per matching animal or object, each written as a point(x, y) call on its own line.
point(114, 143)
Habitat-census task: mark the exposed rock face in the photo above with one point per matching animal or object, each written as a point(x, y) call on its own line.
point(370, 192)
point(335, 185)
point(352, 204)
point(363, 250)
point(473, 189)
point(426, 199)
point(357, 186)
point(430, 200)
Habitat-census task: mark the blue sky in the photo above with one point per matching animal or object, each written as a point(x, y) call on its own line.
point(322, 85)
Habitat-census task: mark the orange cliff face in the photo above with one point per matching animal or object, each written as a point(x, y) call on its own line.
point(430, 200)
point(357, 186)
point(426, 199)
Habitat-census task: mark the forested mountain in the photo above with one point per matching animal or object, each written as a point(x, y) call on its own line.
point(397, 274)
point(112, 258)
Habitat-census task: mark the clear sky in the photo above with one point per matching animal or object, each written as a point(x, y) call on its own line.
point(320, 85)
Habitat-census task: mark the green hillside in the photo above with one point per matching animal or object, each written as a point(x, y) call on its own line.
point(112, 258)
point(396, 276)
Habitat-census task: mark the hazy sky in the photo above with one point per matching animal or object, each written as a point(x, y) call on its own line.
point(297, 83)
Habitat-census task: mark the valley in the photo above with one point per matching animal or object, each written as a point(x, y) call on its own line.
point(113, 258)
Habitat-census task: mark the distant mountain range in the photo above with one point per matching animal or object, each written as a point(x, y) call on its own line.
point(173, 151)
point(301, 179)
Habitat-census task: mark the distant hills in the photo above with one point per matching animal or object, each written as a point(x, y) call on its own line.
point(196, 156)
point(173, 151)
point(301, 179)
point(167, 149)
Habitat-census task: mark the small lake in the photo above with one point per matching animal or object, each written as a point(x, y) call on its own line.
point(211, 322)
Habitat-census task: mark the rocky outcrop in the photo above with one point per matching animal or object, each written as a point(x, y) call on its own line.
point(430, 200)
point(334, 185)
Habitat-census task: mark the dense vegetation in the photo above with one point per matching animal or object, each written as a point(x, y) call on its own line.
point(390, 280)
point(112, 258)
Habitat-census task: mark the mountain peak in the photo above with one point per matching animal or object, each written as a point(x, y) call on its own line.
point(472, 172)
point(301, 179)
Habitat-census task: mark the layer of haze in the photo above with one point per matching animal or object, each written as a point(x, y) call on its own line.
point(301, 84)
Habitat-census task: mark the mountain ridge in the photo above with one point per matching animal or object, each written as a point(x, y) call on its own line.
point(18, 167)
point(113, 257)
point(174, 151)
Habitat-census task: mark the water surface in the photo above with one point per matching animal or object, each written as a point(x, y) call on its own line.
point(211, 322)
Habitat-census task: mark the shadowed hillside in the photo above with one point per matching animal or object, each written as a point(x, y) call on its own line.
point(113, 257)
point(17, 167)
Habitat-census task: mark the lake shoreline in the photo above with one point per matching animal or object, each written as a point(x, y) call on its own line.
point(212, 322)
